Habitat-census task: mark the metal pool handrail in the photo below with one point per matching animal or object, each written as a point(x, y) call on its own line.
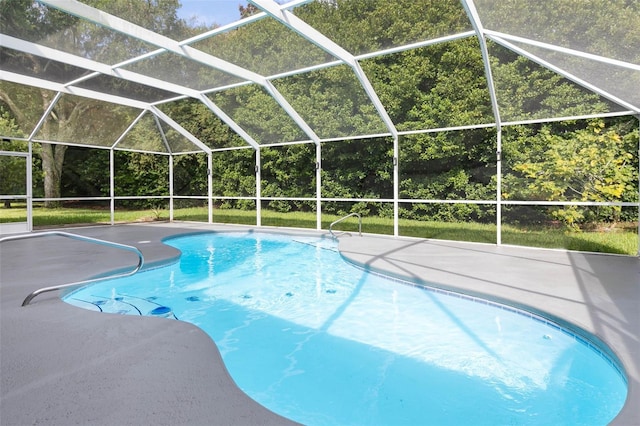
point(345, 217)
point(81, 238)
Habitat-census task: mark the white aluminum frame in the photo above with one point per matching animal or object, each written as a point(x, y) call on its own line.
point(282, 14)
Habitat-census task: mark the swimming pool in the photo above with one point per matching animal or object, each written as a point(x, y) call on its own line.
point(319, 341)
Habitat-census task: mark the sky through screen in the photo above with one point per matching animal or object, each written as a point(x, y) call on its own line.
point(209, 12)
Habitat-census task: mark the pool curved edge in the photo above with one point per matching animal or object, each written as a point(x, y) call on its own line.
point(481, 297)
point(383, 258)
point(147, 266)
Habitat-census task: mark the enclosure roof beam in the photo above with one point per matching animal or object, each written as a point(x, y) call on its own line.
point(128, 129)
point(96, 67)
point(566, 74)
point(164, 117)
point(44, 116)
point(163, 136)
point(228, 120)
point(104, 19)
point(292, 112)
point(473, 16)
point(59, 87)
point(109, 21)
point(296, 24)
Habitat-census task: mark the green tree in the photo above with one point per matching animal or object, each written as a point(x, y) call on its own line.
point(526, 90)
point(71, 116)
point(288, 171)
point(362, 26)
point(234, 175)
point(596, 163)
point(12, 168)
point(85, 172)
point(357, 169)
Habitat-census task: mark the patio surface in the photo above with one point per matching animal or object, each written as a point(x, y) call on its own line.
point(64, 365)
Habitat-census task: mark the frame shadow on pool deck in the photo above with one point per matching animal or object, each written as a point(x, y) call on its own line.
point(64, 365)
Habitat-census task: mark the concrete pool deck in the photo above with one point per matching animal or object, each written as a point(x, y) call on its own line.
point(64, 365)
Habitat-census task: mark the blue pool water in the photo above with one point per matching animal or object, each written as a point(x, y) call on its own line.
point(322, 342)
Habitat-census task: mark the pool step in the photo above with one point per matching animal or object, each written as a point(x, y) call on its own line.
point(123, 304)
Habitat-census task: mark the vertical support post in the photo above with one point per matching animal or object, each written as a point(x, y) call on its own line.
point(472, 13)
point(112, 188)
point(258, 189)
point(29, 182)
point(638, 117)
point(318, 186)
point(396, 185)
point(499, 186)
point(210, 186)
point(170, 187)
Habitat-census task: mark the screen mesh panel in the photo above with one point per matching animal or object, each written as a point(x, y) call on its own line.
point(32, 101)
point(208, 128)
point(617, 81)
point(526, 90)
point(333, 102)
point(383, 24)
point(258, 113)
point(277, 49)
point(53, 28)
point(433, 87)
point(144, 136)
point(94, 122)
point(601, 27)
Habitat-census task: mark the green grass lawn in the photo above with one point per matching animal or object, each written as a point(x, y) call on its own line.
point(619, 240)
